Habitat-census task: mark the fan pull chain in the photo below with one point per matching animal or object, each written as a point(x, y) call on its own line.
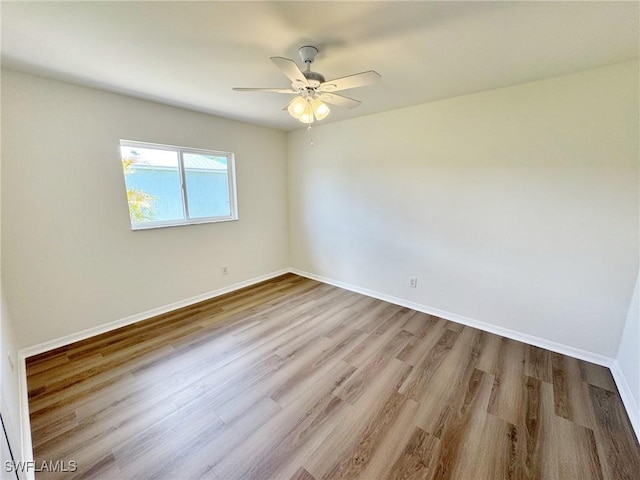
point(310, 135)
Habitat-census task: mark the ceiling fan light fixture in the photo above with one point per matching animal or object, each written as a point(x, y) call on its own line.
point(297, 107)
point(307, 109)
point(307, 115)
point(320, 109)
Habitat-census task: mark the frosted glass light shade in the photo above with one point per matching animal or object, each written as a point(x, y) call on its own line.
point(297, 107)
point(307, 115)
point(320, 109)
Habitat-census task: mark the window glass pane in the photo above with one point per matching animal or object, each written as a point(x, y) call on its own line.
point(154, 189)
point(169, 185)
point(207, 178)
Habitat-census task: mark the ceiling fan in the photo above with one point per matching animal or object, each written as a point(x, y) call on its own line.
point(311, 90)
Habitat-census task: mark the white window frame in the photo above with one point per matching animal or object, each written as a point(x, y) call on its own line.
point(180, 151)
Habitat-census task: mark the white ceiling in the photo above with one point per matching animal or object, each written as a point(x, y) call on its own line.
point(191, 54)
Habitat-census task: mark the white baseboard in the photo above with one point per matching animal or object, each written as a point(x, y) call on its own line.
point(25, 422)
point(138, 317)
point(630, 403)
point(487, 327)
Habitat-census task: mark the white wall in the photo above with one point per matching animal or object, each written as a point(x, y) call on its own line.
point(69, 258)
point(9, 376)
point(628, 360)
point(517, 207)
point(9, 383)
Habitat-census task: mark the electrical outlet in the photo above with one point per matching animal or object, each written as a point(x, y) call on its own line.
point(413, 282)
point(225, 270)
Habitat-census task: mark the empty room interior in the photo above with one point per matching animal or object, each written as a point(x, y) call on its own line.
point(320, 240)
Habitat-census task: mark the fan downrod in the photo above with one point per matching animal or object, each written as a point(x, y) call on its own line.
point(308, 55)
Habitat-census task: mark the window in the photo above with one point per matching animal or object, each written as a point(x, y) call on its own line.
point(169, 186)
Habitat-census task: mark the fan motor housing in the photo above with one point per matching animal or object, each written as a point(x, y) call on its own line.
point(309, 75)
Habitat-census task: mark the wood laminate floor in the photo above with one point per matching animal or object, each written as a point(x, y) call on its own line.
point(294, 379)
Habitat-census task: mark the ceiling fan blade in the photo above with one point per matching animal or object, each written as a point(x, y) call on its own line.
point(271, 90)
point(290, 69)
point(339, 100)
point(351, 81)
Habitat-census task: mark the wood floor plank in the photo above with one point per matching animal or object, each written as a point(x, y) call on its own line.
point(42, 408)
point(448, 383)
point(463, 430)
point(547, 446)
point(538, 364)
point(181, 432)
point(456, 327)
point(302, 474)
point(231, 404)
point(375, 316)
point(355, 386)
point(391, 443)
point(103, 468)
point(387, 329)
point(532, 431)
point(58, 425)
point(490, 352)
point(354, 461)
point(354, 421)
point(416, 348)
point(419, 323)
point(597, 375)
point(488, 452)
point(418, 459)
point(570, 392)
point(614, 435)
point(315, 370)
point(582, 460)
point(91, 442)
point(281, 433)
point(200, 463)
point(506, 397)
point(295, 379)
point(418, 381)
